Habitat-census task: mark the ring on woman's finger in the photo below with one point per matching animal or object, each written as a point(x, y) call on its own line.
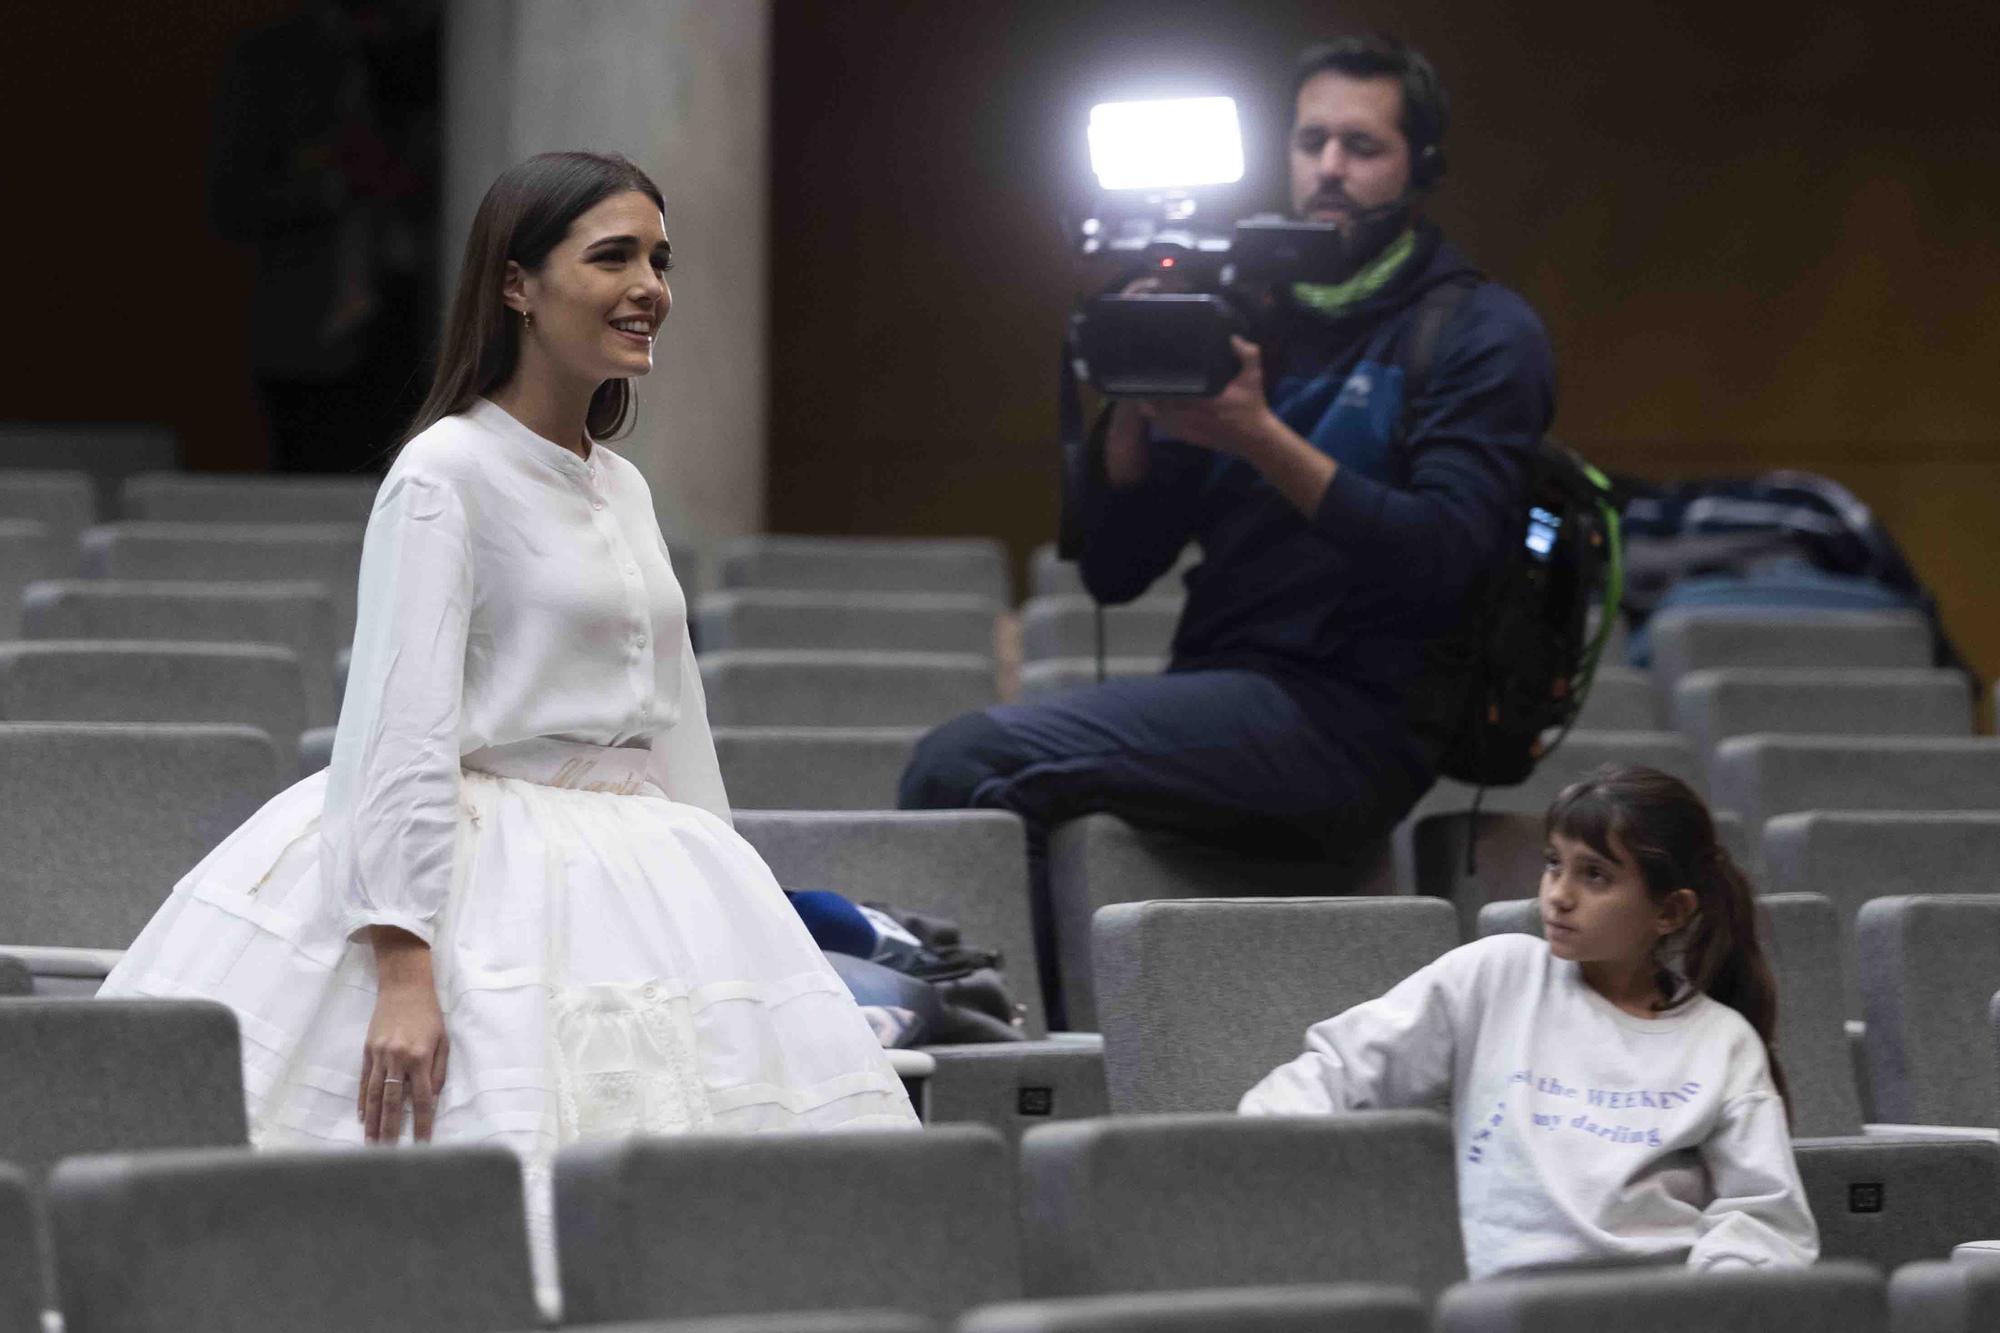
point(387, 1081)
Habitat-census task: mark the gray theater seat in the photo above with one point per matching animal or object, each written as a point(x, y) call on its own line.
point(1507, 861)
point(209, 497)
point(837, 689)
point(1200, 999)
point(15, 978)
point(430, 1241)
point(751, 619)
point(970, 867)
point(315, 750)
point(1854, 856)
point(1938, 1296)
point(27, 553)
point(1802, 945)
point(1042, 679)
point(837, 1321)
point(1892, 1201)
point(714, 1224)
point(23, 1263)
point(1100, 860)
point(1049, 576)
point(1053, 627)
point(103, 818)
point(64, 502)
point(1621, 698)
point(93, 1076)
point(1712, 705)
point(1828, 1298)
point(1762, 777)
point(298, 616)
point(973, 565)
point(1164, 1203)
point(1929, 968)
point(1349, 1307)
point(325, 553)
point(108, 451)
point(1689, 640)
point(814, 768)
point(58, 680)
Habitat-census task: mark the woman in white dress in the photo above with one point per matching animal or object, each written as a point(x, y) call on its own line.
point(514, 907)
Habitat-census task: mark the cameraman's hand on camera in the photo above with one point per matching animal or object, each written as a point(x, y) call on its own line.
point(1125, 442)
point(1236, 421)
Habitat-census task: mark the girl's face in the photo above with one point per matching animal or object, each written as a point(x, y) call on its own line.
point(599, 297)
point(1597, 909)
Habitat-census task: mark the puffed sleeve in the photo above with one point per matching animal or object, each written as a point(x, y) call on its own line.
point(1393, 1051)
point(1759, 1214)
point(684, 762)
point(392, 799)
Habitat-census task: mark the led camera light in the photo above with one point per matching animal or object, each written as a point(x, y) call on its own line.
point(1166, 145)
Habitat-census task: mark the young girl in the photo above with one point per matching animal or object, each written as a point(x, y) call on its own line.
point(514, 910)
point(1613, 1091)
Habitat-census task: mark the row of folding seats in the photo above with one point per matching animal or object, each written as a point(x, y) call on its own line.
point(931, 1223)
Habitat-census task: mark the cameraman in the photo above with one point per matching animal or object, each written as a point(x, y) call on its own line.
point(1338, 532)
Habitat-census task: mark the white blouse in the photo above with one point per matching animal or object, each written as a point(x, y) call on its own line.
point(509, 591)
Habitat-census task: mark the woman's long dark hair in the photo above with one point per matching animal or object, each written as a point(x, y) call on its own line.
point(524, 215)
point(1667, 829)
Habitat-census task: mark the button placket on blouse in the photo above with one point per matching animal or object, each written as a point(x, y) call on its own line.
point(635, 592)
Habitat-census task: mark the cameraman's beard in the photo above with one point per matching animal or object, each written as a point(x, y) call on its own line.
point(1364, 232)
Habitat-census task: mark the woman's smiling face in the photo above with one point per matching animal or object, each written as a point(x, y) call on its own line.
point(598, 299)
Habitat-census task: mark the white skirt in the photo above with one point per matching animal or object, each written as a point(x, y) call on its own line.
point(610, 962)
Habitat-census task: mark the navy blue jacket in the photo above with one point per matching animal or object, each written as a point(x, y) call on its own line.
point(1337, 606)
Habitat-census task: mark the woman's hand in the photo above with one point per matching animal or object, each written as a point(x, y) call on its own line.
point(403, 1059)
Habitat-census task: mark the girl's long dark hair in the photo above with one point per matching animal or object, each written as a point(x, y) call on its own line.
point(524, 215)
point(1667, 829)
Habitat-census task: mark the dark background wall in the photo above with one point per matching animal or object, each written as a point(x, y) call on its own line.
point(1760, 236)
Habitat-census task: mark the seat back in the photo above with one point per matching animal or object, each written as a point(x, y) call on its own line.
point(187, 497)
point(750, 619)
point(23, 1262)
point(255, 685)
point(1349, 1307)
point(968, 565)
point(64, 502)
point(839, 689)
point(1200, 999)
point(814, 768)
point(1853, 856)
point(1828, 1298)
point(1712, 705)
point(28, 553)
point(96, 1076)
point(744, 1224)
point(1690, 639)
point(1889, 1202)
point(1929, 968)
point(325, 553)
point(1053, 627)
point(1164, 1203)
point(1939, 1296)
point(324, 1242)
point(1762, 777)
point(103, 818)
point(1622, 698)
point(968, 866)
point(1100, 860)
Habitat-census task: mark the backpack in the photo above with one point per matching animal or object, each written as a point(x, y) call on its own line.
point(1501, 692)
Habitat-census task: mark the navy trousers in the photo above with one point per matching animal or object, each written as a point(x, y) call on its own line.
point(1230, 757)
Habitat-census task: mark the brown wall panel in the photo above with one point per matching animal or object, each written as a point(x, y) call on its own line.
point(1760, 237)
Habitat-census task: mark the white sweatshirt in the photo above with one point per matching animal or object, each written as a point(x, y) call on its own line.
point(1584, 1133)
